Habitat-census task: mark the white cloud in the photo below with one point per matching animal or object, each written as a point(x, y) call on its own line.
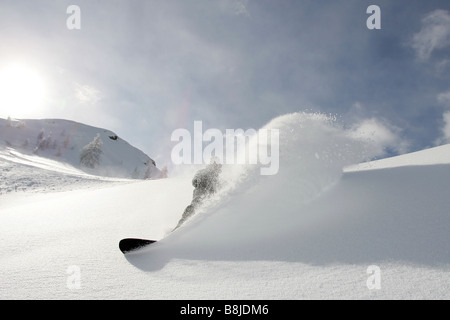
point(445, 130)
point(435, 34)
point(381, 135)
point(241, 7)
point(237, 7)
point(87, 94)
point(444, 98)
point(443, 66)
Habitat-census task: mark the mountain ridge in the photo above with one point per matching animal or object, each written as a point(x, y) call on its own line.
point(63, 140)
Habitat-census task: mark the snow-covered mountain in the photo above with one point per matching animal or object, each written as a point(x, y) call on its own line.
point(320, 229)
point(89, 149)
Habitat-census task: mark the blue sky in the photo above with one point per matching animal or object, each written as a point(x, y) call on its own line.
point(144, 68)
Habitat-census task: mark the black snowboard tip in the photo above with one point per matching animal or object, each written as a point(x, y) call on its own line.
point(131, 244)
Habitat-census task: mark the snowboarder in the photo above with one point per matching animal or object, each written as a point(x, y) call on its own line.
point(206, 182)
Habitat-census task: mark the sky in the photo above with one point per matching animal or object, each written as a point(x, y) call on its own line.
point(143, 68)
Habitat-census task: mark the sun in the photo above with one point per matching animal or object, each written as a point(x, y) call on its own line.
point(22, 91)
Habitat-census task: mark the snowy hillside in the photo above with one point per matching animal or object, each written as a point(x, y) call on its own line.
point(67, 141)
point(314, 231)
point(433, 156)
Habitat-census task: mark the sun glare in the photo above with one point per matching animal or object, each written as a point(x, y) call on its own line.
point(22, 91)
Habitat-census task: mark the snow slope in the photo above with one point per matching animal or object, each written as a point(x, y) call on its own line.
point(310, 232)
point(432, 156)
point(63, 141)
point(30, 173)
